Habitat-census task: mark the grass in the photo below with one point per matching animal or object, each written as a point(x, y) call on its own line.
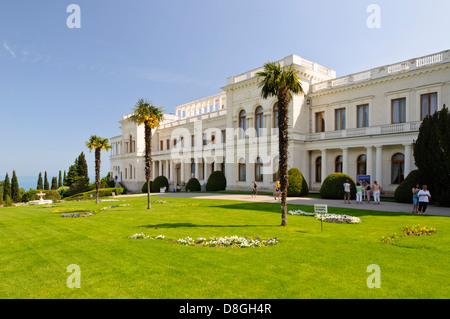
point(38, 245)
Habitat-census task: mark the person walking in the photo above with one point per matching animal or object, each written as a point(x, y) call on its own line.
point(347, 192)
point(277, 190)
point(254, 189)
point(376, 188)
point(415, 192)
point(424, 199)
point(368, 192)
point(358, 193)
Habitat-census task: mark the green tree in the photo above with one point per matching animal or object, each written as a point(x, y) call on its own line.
point(72, 175)
point(432, 155)
point(147, 114)
point(15, 190)
point(98, 144)
point(60, 182)
point(65, 179)
point(281, 82)
point(40, 185)
point(54, 183)
point(6, 188)
point(46, 183)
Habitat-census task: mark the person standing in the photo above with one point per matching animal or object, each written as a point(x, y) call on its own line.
point(368, 192)
point(254, 189)
point(358, 193)
point(376, 193)
point(415, 192)
point(346, 192)
point(277, 190)
point(424, 199)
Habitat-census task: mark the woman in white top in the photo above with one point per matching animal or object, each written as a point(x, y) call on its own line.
point(424, 199)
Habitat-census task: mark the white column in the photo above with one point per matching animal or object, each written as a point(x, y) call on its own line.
point(379, 164)
point(205, 169)
point(345, 161)
point(160, 169)
point(153, 170)
point(408, 159)
point(324, 165)
point(172, 171)
point(167, 169)
point(369, 161)
point(197, 169)
point(182, 164)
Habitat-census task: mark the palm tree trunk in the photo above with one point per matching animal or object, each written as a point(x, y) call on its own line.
point(148, 158)
point(283, 141)
point(97, 172)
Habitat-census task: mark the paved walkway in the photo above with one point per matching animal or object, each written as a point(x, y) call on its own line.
point(384, 206)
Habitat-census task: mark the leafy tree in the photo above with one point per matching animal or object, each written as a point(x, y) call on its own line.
point(281, 82)
point(98, 144)
point(6, 189)
point(150, 116)
point(72, 175)
point(15, 191)
point(46, 183)
point(83, 167)
point(432, 155)
point(40, 185)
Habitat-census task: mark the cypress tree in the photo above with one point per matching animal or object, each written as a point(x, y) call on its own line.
point(6, 188)
point(54, 183)
point(82, 167)
point(72, 175)
point(65, 179)
point(39, 183)
point(46, 183)
point(15, 194)
point(60, 182)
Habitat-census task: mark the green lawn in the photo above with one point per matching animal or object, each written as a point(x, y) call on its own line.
point(37, 245)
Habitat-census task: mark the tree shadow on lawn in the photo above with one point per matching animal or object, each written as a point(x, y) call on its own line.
point(181, 225)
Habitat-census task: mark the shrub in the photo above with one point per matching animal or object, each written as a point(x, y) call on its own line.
point(32, 195)
point(159, 183)
point(193, 185)
point(144, 187)
point(102, 192)
point(333, 186)
point(297, 185)
point(403, 192)
point(216, 182)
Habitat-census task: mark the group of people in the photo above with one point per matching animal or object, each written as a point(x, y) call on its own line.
point(276, 194)
point(374, 190)
point(421, 198)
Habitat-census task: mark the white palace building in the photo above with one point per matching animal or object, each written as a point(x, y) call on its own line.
point(359, 124)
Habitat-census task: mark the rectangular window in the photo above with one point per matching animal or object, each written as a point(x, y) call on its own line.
point(213, 138)
point(362, 115)
point(340, 119)
point(224, 136)
point(204, 139)
point(428, 105)
point(192, 140)
point(242, 176)
point(398, 111)
point(161, 145)
point(174, 142)
point(320, 122)
point(168, 144)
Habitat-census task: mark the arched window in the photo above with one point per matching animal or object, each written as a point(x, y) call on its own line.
point(319, 170)
point(259, 121)
point(361, 165)
point(276, 169)
point(398, 168)
point(275, 115)
point(241, 170)
point(258, 170)
point(242, 124)
point(338, 164)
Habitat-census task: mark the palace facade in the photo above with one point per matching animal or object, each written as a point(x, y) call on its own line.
point(359, 124)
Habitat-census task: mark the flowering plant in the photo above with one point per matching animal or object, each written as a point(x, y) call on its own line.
point(410, 231)
point(330, 218)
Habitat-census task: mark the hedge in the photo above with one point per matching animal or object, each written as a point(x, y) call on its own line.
point(102, 192)
point(297, 185)
point(333, 186)
point(158, 183)
point(32, 195)
point(403, 193)
point(193, 185)
point(216, 182)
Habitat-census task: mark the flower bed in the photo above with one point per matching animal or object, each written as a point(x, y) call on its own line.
point(330, 218)
point(233, 241)
point(410, 231)
point(85, 213)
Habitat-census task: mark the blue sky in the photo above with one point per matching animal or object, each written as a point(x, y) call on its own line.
point(58, 85)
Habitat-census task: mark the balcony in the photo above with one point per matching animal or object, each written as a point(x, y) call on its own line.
point(366, 131)
point(398, 68)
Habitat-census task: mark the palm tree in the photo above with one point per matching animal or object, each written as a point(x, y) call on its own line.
point(97, 143)
point(281, 82)
point(148, 114)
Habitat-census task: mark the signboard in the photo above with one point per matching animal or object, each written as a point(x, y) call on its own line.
point(320, 209)
point(364, 180)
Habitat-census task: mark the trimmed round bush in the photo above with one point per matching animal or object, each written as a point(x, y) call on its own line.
point(158, 183)
point(403, 193)
point(333, 186)
point(144, 187)
point(297, 186)
point(193, 185)
point(216, 182)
